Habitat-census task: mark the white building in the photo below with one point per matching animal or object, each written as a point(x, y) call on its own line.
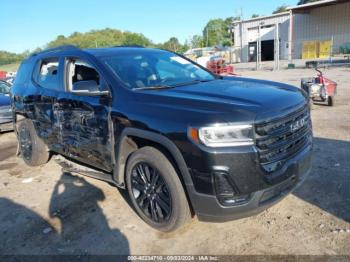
point(322, 22)
point(246, 35)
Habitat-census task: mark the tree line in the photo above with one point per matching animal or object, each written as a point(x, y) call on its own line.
point(215, 33)
point(10, 58)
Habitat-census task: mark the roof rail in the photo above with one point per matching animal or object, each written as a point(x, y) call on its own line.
point(137, 46)
point(56, 49)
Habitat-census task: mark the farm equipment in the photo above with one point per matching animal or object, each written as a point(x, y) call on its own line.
point(320, 88)
point(219, 67)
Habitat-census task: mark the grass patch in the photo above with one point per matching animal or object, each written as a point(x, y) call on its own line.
point(9, 67)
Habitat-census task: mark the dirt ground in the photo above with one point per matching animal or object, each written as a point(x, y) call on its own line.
point(43, 211)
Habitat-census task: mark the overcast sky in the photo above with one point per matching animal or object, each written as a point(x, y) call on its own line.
point(33, 23)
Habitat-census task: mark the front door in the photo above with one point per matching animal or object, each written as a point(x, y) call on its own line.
point(82, 115)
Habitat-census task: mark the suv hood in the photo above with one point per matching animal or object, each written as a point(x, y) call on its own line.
point(254, 99)
point(241, 91)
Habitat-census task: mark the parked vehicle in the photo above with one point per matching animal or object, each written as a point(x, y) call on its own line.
point(9, 80)
point(2, 75)
point(6, 123)
point(320, 88)
point(179, 139)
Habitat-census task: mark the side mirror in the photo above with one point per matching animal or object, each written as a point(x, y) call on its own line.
point(88, 88)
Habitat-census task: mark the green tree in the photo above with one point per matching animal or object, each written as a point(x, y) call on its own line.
point(184, 47)
point(217, 32)
point(213, 32)
point(280, 9)
point(229, 37)
point(10, 58)
point(255, 15)
point(101, 38)
point(173, 44)
point(196, 41)
point(136, 39)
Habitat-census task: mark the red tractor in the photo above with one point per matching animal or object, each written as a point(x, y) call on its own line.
point(320, 88)
point(219, 67)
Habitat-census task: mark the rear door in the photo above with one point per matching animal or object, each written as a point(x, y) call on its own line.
point(82, 114)
point(48, 83)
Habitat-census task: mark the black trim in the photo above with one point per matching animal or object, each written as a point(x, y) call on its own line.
point(209, 209)
point(160, 139)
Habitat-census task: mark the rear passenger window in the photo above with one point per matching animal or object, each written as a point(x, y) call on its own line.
point(47, 76)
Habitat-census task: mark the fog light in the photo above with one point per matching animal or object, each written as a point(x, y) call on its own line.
point(226, 192)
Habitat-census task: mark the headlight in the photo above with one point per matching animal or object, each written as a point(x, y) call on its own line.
point(223, 135)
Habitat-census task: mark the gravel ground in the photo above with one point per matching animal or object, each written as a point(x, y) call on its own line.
point(43, 211)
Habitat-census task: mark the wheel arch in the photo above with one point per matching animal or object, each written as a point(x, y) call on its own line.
point(132, 139)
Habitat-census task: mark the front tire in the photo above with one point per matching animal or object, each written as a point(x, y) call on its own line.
point(33, 150)
point(156, 191)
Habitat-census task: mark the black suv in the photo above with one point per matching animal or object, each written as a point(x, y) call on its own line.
point(181, 140)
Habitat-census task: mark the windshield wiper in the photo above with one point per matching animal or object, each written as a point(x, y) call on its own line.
point(153, 87)
point(206, 80)
point(197, 81)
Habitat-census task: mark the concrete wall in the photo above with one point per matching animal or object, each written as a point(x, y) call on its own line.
point(322, 24)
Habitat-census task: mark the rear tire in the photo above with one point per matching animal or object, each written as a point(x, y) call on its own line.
point(33, 150)
point(156, 191)
point(330, 101)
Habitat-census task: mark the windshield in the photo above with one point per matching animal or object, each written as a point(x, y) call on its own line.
point(4, 88)
point(155, 69)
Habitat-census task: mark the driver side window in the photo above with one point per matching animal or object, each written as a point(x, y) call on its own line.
point(83, 77)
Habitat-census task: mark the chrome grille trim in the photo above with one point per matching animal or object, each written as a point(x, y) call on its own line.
point(280, 139)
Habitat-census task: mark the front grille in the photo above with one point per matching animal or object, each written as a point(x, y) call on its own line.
point(280, 139)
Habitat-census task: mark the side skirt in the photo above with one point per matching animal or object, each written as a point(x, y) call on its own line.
point(73, 167)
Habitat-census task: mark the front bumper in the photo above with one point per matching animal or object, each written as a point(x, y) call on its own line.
point(208, 208)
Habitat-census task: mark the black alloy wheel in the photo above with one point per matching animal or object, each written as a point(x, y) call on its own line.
point(33, 150)
point(155, 190)
point(151, 192)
